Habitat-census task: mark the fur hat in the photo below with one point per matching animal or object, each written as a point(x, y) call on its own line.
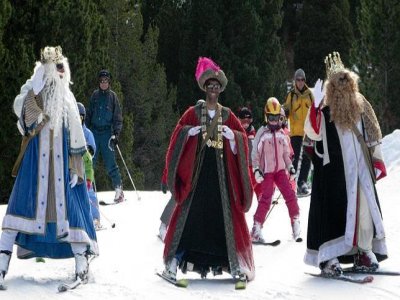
point(207, 69)
point(300, 74)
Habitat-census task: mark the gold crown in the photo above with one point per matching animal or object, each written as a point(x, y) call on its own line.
point(333, 64)
point(51, 54)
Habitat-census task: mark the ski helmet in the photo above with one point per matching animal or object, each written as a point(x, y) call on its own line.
point(245, 113)
point(272, 107)
point(105, 73)
point(81, 108)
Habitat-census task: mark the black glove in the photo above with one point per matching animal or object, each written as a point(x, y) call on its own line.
point(91, 150)
point(164, 188)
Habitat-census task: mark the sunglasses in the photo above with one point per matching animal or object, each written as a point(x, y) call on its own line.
point(60, 66)
point(104, 81)
point(300, 79)
point(214, 86)
point(274, 118)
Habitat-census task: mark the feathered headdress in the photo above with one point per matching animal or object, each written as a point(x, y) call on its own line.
point(207, 69)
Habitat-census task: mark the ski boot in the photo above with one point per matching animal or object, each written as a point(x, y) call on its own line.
point(119, 195)
point(5, 257)
point(171, 270)
point(366, 261)
point(296, 230)
point(302, 189)
point(82, 266)
point(240, 281)
point(331, 268)
point(256, 233)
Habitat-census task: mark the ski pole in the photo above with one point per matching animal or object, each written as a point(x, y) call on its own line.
point(107, 219)
point(102, 214)
point(275, 202)
point(129, 174)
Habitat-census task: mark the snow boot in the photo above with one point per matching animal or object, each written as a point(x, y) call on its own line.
point(256, 233)
point(331, 268)
point(366, 260)
point(296, 230)
point(5, 257)
point(119, 195)
point(171, 269)
point(162, 231)
point(97, 225)
point(82, 266)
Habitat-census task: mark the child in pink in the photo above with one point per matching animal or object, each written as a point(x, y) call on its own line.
point(271, 162)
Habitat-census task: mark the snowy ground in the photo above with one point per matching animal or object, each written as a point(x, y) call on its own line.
point(131, 252)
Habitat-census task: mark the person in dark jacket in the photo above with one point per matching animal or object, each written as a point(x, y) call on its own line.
point(104, 119)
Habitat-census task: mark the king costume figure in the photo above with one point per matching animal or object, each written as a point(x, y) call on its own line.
point(48, 213)
point(207, 162)
point(345, 220)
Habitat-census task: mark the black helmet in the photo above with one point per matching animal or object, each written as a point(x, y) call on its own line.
point(245, 113)
point(105, 73)
point(81, 108)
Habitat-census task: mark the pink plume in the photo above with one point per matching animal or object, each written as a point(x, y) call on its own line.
point(204, 64)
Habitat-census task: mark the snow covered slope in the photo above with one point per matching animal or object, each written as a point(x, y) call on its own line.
point(130, 253)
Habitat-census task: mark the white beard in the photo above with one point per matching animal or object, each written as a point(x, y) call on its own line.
point(53, 95)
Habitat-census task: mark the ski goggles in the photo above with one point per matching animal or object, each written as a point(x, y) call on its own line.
point(274, 118)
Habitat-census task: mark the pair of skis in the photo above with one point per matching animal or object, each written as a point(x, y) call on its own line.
point(240, 284)
point(349, 275)
point(66, 286)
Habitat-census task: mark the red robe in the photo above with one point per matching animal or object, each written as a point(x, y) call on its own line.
point(181, 165)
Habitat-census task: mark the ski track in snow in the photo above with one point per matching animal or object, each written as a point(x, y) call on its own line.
point(130, 253)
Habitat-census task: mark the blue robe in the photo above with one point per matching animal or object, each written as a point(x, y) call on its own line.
point(26, 212)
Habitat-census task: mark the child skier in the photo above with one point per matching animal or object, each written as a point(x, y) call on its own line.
point(89, 172)
point(270, 160)
point(246, 119)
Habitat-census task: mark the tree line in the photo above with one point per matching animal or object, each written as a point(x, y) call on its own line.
point(151, 48)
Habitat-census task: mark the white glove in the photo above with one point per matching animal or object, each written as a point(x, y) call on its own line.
point(258, 175)
point(227, 132)
point(292, 172)
point(194, 130)
point(318, 93)
point(38, 81)
point(74, 180)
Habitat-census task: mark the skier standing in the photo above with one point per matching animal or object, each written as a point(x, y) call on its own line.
point(104, 119)
point(297, 103)
point(88, 161)
point(208, 177)
point(345, 221)
point(271, 162)
point(48, 213)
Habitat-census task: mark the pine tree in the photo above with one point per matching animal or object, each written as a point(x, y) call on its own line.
point(324, 28)
point(6, 130)
point(377, 59)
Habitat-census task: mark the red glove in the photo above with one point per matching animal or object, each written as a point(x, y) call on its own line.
point(88, 184)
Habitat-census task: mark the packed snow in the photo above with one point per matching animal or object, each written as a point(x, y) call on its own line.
point(131, 252)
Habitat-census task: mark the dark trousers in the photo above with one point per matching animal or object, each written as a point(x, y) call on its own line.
point(297, 143)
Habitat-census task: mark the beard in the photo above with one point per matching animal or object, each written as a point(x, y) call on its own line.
point(343, 99)
point(53, 97)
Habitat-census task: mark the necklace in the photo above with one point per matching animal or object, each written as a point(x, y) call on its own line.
point(218, 144)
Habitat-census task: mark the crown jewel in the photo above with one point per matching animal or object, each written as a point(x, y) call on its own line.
point(51, 54)
point(333, 64)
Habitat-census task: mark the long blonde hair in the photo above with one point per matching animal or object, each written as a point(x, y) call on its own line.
point(343, 99)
